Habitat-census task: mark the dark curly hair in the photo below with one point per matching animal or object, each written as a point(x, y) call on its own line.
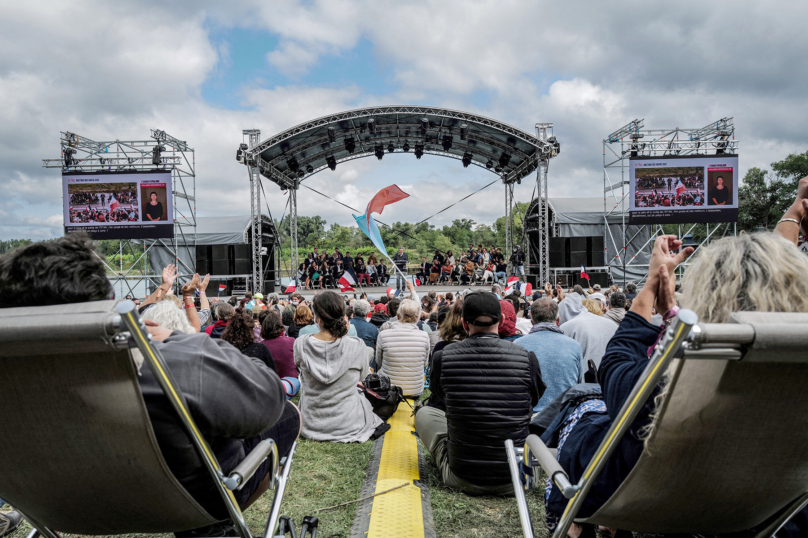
point(63, 271)
point(240, 331)
point(272, 327)
point(330, 311)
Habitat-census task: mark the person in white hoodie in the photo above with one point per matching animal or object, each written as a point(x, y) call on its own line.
point(330, 364)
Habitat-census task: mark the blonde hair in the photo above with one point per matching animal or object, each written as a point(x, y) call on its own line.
point(593, 306)
point(759, 272)
point(409, 311)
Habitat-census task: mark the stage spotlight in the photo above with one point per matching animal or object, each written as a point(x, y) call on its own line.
point(497, 169)
point(350, 145)
point(69, 152)
point(309, 169)
point(292, 164)
point(489, 163)
point(419, 150)
point(424, 124)
point(240, 152)
point(466, 160)
point(552, 140)
point(372, 126)
point(378, 150)
point(301, 173)
point(406, 146)
point(156, 151)
point(331, 162)
point(332, 134)
point(504, 159)
point(464, 131)
point(391, 148)
point(447, 142)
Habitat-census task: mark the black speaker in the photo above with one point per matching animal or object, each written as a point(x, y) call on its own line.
point(203, 265)
point(221, 267)
point(242, 266)
point(577, 244)
point(219, 252)
point(595, 244)
point(558, 251)
point(242, 251)
point(577, 258)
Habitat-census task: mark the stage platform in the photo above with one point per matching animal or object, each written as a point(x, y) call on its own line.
point(378, 291)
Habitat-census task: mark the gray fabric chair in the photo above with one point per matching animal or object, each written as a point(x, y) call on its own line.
point(79, 454)
point(728, 450)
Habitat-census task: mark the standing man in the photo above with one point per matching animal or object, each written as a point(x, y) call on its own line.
point(518, 262)
point(102, 200)
point(470, 414)
point(401, 259)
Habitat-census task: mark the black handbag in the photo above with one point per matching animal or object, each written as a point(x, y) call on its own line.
point(384, 397)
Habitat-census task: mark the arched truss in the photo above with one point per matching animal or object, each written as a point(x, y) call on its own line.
point(291, 156)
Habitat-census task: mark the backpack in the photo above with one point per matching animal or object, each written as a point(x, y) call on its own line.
point(384, 397)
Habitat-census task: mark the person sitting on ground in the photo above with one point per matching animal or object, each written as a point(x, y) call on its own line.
point(450, 323)
point(331, 363)
point(166, 314)
point(465, 435)
point(240, 333)
point(364, 329)
point(303, 318)
point(236, 401)
point(560, 357)
point(507, 325)
point(592, 306)
point(314, 328)
point(591, 331)
point(631, 290)
point(617, 307)
point(402, 350)
point(392, 311)
point(288, 317)
point(225, 313)
point(597, 294)
point(281, 349)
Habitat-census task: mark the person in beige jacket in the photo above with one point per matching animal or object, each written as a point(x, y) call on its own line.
point(402, 351)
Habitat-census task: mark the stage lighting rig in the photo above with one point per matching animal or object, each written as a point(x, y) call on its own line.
point(504, 159)
point(350, 145)
point(156, 153)
point(556, 146)
point(391, 148)
point(301, 173)
point(292, 164)
point(309, 169)
point(406, 146)
point(372, 126)
point(466, 160)
point(69, 152)
point(419, 150)
point(424, 124)
point(332, 134)
point(497, 169)
point(240, 153)
point(378, 150)
point(489, 163)
point(331, 162)
point(447, 142)
point(464, 131)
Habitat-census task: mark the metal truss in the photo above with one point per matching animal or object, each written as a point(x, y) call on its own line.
point(392, 110)
point(257, 280)
point(627, 142)
point(81, 154)
point(543, 207)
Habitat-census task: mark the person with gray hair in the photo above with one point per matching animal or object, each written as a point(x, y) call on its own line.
point(288, 316)
point(364, 329)
point(617, 307)
point(167, 315)
point(560, 357)
point(496, 289)
point(403, 350)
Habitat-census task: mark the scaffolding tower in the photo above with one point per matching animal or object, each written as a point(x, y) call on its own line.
point(80, 154)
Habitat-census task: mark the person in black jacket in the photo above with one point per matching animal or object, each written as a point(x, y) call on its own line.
point(518, 262)
point(467, 377)
point(401, 259)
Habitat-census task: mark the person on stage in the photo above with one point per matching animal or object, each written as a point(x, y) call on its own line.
point(719, 194)
point(154, 209)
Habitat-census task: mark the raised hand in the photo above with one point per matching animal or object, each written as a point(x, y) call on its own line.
point(191, 286)
point(169, 275)
point(203, 285)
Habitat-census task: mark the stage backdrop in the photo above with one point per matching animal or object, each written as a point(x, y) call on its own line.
point(684, 189)
point(119, 205)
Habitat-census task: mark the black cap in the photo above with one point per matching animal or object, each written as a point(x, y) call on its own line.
point(478, 304)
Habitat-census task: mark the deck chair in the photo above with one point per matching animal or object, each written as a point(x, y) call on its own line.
point(78, 453)
point(729, 448)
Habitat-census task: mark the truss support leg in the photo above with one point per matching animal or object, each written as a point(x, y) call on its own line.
point(257, 273)
point(293, 228)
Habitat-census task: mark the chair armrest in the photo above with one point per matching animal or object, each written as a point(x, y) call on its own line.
point(550, 465)
point(246, 469)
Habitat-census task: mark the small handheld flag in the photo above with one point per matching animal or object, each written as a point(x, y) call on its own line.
point(583, 272)
point(386, 196)
point(113, 203)
point(292, 286)
point(346, 282)
point(222, 287)
point(680, 188)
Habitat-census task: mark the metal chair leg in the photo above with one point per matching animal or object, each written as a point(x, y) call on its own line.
point(280, 488)
point(519, 490)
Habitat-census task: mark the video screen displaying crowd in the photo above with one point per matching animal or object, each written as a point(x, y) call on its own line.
point(90, 215)
point(268, 350)
point(102, 199)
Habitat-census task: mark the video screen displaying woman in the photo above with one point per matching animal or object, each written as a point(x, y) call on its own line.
point(719, 189)
point(154, 203)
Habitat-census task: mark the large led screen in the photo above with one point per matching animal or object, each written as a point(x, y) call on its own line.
point(683, 189)
point(119, 205)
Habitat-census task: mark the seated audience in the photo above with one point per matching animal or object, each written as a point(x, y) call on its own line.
point(617, 307)
point(331, 363)
point(281, 349)
point(591, 331)
point(560, 356)
point(302, 318)
point(466, 434)
point(365, 330)
point(237, 401)
point(224, 313)
point(507, 325)
point(402, 350)
point(752, 272)
point(240, 332)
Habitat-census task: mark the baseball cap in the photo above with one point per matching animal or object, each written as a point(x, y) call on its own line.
point(479, 304)
point(596, 287)
point(259, 295)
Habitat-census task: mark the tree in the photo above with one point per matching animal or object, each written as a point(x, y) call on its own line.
point(759, 201)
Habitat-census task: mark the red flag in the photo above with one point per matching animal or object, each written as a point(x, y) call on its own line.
point(583, 272)
point(292, 286)
point(386, 196)
point(346, 282)
point(222, 287)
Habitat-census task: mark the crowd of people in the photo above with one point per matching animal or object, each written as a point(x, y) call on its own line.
point(492, 362)
point(658, 199)
point(90, 214)
point(670, 183)
point(103, 198)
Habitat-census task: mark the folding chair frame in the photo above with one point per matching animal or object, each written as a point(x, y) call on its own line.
point(138, 336)
point(683, 328)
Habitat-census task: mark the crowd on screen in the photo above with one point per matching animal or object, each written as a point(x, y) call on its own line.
point(102, 198)
point(669, 200)
point(90, 214)
point(251, 355)
point(669, 183)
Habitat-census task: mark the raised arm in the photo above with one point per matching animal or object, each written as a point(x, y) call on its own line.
point(188, 291)
point(792, 222)
point(169, 276)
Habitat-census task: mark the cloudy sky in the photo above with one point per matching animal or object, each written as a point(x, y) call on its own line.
point(204, 70)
